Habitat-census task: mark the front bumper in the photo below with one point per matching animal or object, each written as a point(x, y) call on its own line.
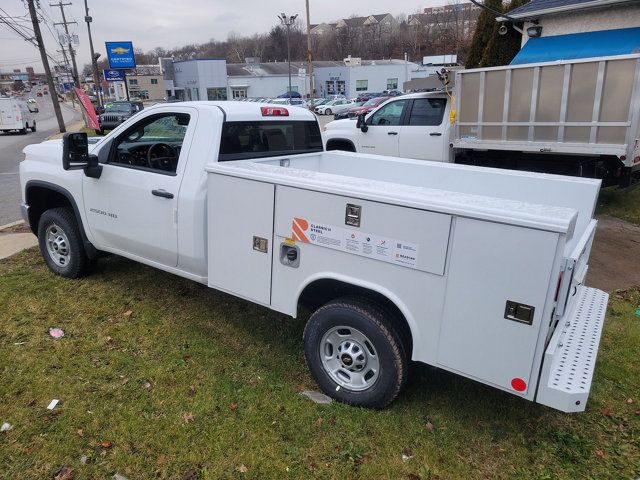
point(24, 210)
point(109, 125)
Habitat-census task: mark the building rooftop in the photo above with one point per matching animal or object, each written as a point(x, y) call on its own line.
point(537, 8)
point(280, 68)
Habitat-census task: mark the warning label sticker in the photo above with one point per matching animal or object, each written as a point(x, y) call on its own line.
point(386, 249)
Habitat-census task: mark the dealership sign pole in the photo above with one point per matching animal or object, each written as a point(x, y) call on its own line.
point(121, 57)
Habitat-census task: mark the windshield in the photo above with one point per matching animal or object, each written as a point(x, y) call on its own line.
point(243, 140)
point(118, 107)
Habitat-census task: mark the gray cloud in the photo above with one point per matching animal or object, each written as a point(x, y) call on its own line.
point(173, 23)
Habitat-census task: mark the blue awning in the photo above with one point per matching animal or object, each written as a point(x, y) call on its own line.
point(603, 43)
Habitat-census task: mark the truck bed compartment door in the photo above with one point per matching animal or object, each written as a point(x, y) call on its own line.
point(498, 283)
point(240, 236)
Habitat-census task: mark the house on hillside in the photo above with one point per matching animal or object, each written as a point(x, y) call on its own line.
point(570, 29)
point(383, 22)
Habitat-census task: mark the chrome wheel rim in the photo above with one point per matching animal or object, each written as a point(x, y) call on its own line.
point(349, 358)
point(57, 245)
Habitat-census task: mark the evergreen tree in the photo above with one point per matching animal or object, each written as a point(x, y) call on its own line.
point(483, 33)
point(502, 48)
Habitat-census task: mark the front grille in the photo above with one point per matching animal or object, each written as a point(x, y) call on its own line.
point(109, 118)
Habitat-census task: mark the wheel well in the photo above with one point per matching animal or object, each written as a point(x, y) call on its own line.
point(319, 292)
point(41, 199)
point(346, 145)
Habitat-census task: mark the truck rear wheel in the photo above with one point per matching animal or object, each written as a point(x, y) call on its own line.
point(355, 353)
point(61, 244)
point(33, 127)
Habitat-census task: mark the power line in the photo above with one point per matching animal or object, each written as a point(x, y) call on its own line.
point(21, 33)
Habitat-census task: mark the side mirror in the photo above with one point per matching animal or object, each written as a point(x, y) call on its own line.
point(75, 155)
point(362, 123)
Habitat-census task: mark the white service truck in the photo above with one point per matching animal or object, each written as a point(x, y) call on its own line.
point(577, 117)
point(16, 114)
point(473, 270)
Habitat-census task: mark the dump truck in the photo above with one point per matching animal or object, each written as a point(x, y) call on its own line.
point(578, 117)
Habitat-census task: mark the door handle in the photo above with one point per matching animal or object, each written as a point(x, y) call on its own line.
point(392, 133)
point(435, 134)
point(162, 193)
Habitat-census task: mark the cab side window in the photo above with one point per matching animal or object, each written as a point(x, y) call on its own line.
point(389, 114)
point(152, 144)
point(427, 111)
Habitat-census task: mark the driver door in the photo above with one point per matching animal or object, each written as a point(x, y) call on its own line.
point(132, 209)
point(384, 128)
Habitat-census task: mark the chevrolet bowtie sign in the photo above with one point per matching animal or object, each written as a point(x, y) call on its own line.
point(120, 55)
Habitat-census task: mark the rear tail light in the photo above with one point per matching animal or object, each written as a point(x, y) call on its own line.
point(274, 112)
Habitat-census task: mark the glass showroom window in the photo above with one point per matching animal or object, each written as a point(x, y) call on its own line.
point(392, 83)
point(362, 85)
point(239, 93)
point(216, 93)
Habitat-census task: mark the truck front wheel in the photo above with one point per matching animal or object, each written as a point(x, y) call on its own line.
point(355, 353)
point(61, 243)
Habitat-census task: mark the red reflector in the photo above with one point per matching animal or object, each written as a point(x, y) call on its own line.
point(518, 384)
point(274, 112)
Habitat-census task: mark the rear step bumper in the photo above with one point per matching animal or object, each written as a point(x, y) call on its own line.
point(570, 359)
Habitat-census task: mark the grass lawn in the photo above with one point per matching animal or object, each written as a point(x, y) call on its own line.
point(624, 204)
point(159, 377)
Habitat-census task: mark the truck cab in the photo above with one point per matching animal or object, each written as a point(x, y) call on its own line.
point(410, 126)
point(145, 198)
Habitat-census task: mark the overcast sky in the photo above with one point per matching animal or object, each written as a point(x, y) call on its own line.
point(173, 23)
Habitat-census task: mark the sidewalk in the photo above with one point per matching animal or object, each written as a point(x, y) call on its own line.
point(15, 237)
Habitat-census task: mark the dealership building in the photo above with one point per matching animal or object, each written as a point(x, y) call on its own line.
point(215, 79)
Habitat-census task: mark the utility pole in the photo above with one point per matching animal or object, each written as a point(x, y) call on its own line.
point(45, 64)
point(66, 29)
point(94, 58)
point(287, 22)
point(309, 57)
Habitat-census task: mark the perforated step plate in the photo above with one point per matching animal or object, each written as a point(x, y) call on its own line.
point(570, 358)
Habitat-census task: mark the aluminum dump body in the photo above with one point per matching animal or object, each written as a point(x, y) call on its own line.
point(586, 107)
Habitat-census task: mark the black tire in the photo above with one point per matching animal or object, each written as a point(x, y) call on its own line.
point(327, 111)
point(23, 131)
point(77, 263)
point(33, 127)
point(380, 330)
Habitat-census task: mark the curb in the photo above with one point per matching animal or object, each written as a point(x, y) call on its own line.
point(12, 224)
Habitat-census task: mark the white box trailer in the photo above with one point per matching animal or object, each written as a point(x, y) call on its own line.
point(485, 266)
point(587, 108)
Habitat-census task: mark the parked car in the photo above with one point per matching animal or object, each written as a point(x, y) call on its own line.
point(39, 94)
point(16, 115)
point(367, 106)
point(117, 112)
point(329, 107)
point(363, 97)
point(344, 113)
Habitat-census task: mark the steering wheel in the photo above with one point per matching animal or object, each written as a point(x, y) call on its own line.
point(168, 150)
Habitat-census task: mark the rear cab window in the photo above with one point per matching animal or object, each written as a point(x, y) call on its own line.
point(260, 139)
point(427, 111)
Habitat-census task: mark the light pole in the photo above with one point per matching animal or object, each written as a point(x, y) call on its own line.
point(287, 22)
point(94, 56)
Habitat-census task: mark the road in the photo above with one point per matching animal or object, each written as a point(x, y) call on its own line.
point(11, 145)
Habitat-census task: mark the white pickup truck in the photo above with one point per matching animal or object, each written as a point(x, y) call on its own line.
point(473, 270)
point(578, 117)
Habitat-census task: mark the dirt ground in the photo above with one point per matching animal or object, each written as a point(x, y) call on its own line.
point(615, 256)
